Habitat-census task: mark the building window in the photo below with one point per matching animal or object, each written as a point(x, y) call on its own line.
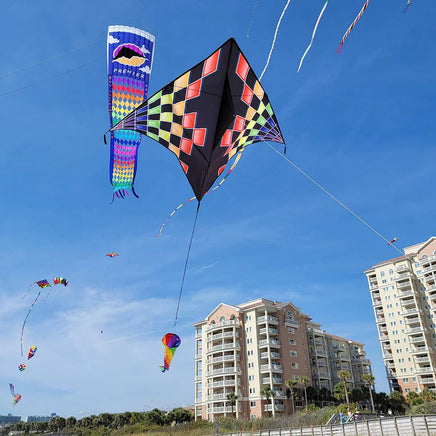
point(293, 353)
point(292, 341)
point(294, 365)
point(253, 404)
point(291, 330)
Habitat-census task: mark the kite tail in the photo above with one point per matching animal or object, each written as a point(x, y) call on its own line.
point(251, 17)
point(208, 192)
point(274, 39)
point(25, 319)
point(313, 36)
point(359, 15)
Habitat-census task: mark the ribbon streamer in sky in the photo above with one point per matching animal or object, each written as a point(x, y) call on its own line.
point(352, 25)
point(313, 35)
point(274, 39)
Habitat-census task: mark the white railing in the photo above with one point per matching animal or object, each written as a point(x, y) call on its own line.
point(422, 425)
point(268, 318)
point(231, 322)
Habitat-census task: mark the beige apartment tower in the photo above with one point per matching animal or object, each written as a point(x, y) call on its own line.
point(240, 349)
point(403, 293)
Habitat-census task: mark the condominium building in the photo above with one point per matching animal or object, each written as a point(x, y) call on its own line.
point(242, 349)
point(403, 293)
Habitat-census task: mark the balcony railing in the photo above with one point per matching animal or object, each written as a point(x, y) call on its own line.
point(221, 384)
point(427, 380)
point(220, 336)
point(422, 359)
point(222, 359)
point(277, 407)
point(229, 323)
point(273, 367)
point(403, 276)
point(273, 342)
point(291, 323)
point(417, 340)
point(270, 319)
point(224, 347)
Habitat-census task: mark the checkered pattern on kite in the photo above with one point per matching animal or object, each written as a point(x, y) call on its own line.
point(208, 114)
point(129, 65)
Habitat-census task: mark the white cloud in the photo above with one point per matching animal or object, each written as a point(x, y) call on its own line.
point(146, 69)
point(112, 40)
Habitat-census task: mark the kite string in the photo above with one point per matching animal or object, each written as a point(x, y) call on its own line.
point(208, 192)
point(25, 319)
point(186, 263)
point(274, 39)
point(333, 197)
point(313, 35)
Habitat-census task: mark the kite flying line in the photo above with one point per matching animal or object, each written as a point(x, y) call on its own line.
point(238, 156)
point(274, 39)
point(313, 35)
point(389, 242)
point(359, 15)
point(25, 319)
point(186, 263)
point(251, 17)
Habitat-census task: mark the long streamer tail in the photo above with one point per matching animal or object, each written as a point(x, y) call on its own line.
point(186, 264)
point(333, 197)
point(359, 15)
point(313, 35)
point(25, 320)
point(274, 39)
point(251, 17)
point(192, 198)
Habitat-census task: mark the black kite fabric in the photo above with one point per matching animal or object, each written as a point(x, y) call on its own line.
point(207, 115)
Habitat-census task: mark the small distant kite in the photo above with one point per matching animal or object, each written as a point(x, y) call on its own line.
point(393, 240)
point(170, 342)
point(32, 352)
point(43, 283)
point(359, 15)
point(407, 6)
point(60, 281)
point(17, 397)
point(112, 254)
point(21, 367)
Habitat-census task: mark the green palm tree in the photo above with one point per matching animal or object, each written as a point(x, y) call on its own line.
point(231, 398)
point(291, 384)
point(369, 381)
point(305, 381)
point(344, 376)
point(268, 393)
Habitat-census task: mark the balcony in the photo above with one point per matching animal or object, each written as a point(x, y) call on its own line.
point(406, 294)
point(404, 285)
point(425, 380)
point(407, 312)
point(427, 260)
point(421, 350)
point(321, 353)
point(387, 355)
point(221, 384)
point(220, 336)
point(404, 276)
point(377, 303)
point(230, 358)
point(383, 329)
point(424, 370)
point(217, 397)
point(270, 319)
point(390, 365)
point(429, 269)
point(324, 375)
point(417, 340)
point(272, 355)
point(384, 338)
point(227, 409)
point(271, 331)
point(275, 380)
point(271, 342)
point(227, 346)
point(425, 359)
point(277, 407)
point(220, 325)
point(291, 323)
point(414, 320)
point(380, 319)
point(413, 330)
point(273, 367)
point(221, 371)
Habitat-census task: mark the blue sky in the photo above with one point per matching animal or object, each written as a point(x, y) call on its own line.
point(360, 122)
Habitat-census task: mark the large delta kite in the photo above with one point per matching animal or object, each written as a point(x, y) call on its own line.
point(207, 115)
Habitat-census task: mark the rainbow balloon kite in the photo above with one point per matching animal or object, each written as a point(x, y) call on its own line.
point(32, 351)
point(21, 367)
point(170, 342)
